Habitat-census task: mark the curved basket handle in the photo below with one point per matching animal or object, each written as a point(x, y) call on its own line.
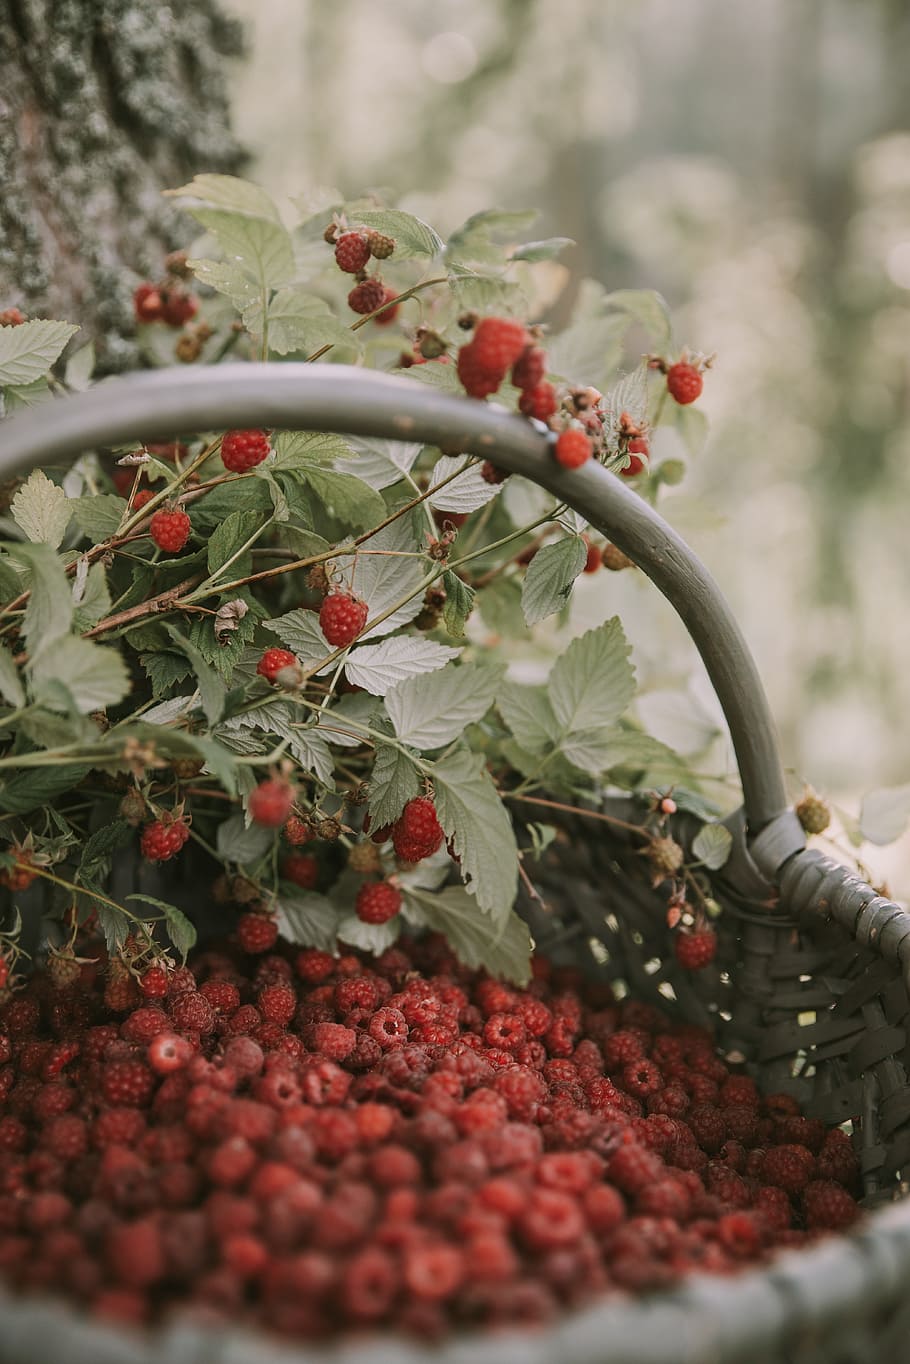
point(159, 404)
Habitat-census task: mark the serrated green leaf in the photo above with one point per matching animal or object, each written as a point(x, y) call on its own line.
point(504, 950)
point(307, 919)
point(529, 715)
point(98, 515)
point(613, 748)
point(413, 237)
point(629, 394)
point(212, 690)
point(212, 509)
point(40, 507)
point(49, 612)
point(228, 192)
point(94, 602)
point(378, 667)
point(373, 938)
point(394, 781)
point(227, 538)
point(114, 925)
point(593, 682)
point(472, 814)
point(712, 846)
point(100, 846)
point(381, 463)
point(165, 669)
point(430, 712)
point(482, 293)
point(550, 248)
point(458, 604)
point(259, 247)
point(28, 351)
point(467, 492)
point(48, 730)
point(305, 449)
point(301, 632)
point(500, 606)
point(549, 577)
point(229, 279)
point(589, 349)
point(343, 723)
point(95, 675)
point(243, 844)
point(36, 786)
point(300, 321)
point(18, 396)
point(483, 236)
point(442, 377)
point(346, 498)
point(646, 307)
point(884, 814)
point(11, 688)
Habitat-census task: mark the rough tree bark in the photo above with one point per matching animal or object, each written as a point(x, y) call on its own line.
point(103, 104)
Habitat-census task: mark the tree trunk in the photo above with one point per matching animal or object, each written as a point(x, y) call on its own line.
point(103, 104)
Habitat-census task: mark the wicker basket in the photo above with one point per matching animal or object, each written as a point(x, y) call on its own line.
point(811, 980)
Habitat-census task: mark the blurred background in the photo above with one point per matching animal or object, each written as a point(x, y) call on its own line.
point(753, 164)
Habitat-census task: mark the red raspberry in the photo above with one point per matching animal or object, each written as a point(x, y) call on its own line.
point(147, 303)
point(243, 450)
point(314, 966)
point(389, 1028)
point(827, 1206)
point(274, 661)
point(740, 1234)
point(593, 562)
point(788, 1167)
point(19, 877)
point(367, 296)
point(377, 902)
point(178, 307)
point(492, 474)
point(530, 367)
point(257, 933)
point(271, 801)
point(696, 950)
point(505, 1031)
point(302, 869)
point(297, 831)
point(639, 451)
point(641, 1078)
point(127, 1083)
point(434, 1270)
point(153, 982)
point(163, 838)
point(550, 1218)
point(684, 382)
point(739, 1089)
point(170, 529)
point(633, 1167)
point(498, 342)
point(191, 1012)
point(143, 496)
point(223, 997)
point(369, 1285)
point(167, 1052)
point(622, 1049)
point(12, 317)
point(477, 380)
point(417, 830)
point(573, 448)
point(144, 1024)
point(773, 1205)
point(342, 617)
point(352, 251)
point(277, 1004)
point(837, 1159)
point(387, 315)
point(541, 401)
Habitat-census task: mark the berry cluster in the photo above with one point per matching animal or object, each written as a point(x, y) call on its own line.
point(354, 247)
point(316, 1143)
point(169, 302)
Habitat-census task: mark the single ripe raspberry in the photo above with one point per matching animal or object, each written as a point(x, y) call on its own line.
point(477, 380)
point(21, 876)
point(12, 317)
point(367, 296)
point(342, 617)
point(257, 933)
point(169, 1052)
point(144, 495)
point(271, 802)
point(274, 661)
point(352, 251)
point(813, 814)
point(243, 450)
point(377, 902)
point(147, 303)
point(126, 1084)
point(388, 314)
point(277, 1004)
point(382, 247)
point(695, 950)
point(498, 342)
point(153, 982)
point(639, 453)
point(163, 838)
point(170, 529)
point(302, 869)
point(573, 448)
point(788, 1167)
point(828, 1207)
point(593, 561)
point(684, 382)
point(530, 367)
point(540, 401)
point(297, 831)
point(417, 832)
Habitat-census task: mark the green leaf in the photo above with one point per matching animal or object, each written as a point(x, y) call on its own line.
point(589, 349)
point(98, 515)
point(344, 722)
point(228, 279)
point(48, 730)
point(381, 463)
point(500, 606)
point(49, 612)
point(221, 502)
point(646, 307)
point(80, 367)
point(313, 753)
point(95, 676)
point(504, 950)
point(259, 247)
point(459, 603)
point(164, 669)
point(95, 861)
point(307, 918)
point(114, 924)
point(91, 598)
point(413, 237)
point(237, 842)
point(181, 931)
point(299, 321)
point(18, 396)
point(611, 748)
point(228, 192)
point(301, 632)
point(373, 938)
point(549, 577)
point(28, 351)
point(712, 846)
point(212, 690)
point(296, 450)
point(346, 498)
point(36, 786)
point(430, 712)
point(394, 781)
point(378, 667)
point(529, 715)
point(40, 508)
point(550, 248)
point(481, 293)
point(593, 682)
point(11, 688)
point(692, 425)
point(884, 814)
point(483, 236)
point(471, 812)
point(309, 748)
point(467, 492)
point(227, 538)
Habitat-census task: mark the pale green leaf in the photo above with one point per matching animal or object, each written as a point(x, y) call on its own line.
point(458, 604)
point(95, 675)
point(295, 450)
point(11, 688)
point(235, 530)
point(241, 843)
point(383, 579)
point(884, 814)
point(98, 515)
point(373, 938)
point(593, 682)
point(18, 396)
point(299, 321)
point(629, 394)
point(646, 307)
point(529, 715)
point(28, 351)
point(49, 612)
point(381, 463)
point(483, 236)
point(229, 279)
point(692, 425)
point(345, 723)
point(228, 192)
point(212, 691)
point(611, 748)
point(500, 606)
point(260, 248)
point(465, 493)
point(550, 248)
point(79, 368)
point(394, 781)
point(346, 498)
point(41, 508)
point(307, 919)
point(378, 667)
point(549, 578)
point(589, 349)
point(473, 816)
point(413, 237)
point(502, 949)
point(430, 712)
point(301, 632)
point(712, 846)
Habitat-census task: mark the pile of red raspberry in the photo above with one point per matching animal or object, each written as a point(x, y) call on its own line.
point(310, 1144)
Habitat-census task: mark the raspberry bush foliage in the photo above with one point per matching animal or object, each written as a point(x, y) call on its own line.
point(261, 658)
